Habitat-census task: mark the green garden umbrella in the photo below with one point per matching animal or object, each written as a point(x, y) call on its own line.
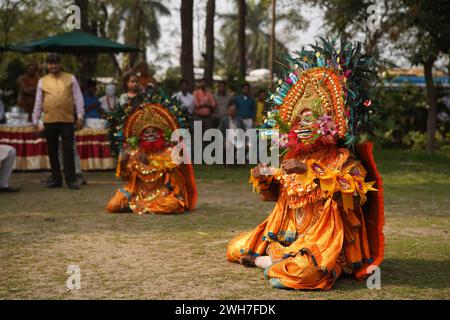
point(75, 42)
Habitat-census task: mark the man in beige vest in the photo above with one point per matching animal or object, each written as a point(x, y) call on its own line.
point(59, 96)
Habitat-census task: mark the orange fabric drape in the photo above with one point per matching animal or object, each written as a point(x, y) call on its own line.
point(160, 186)
point(373, 210)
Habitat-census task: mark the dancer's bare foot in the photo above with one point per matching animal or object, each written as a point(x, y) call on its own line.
point(248, 261)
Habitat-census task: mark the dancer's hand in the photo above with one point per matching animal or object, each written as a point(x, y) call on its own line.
point(38, 127)
point(248, 261)
point(258, 171)
point(293, 166)
point(143, 158)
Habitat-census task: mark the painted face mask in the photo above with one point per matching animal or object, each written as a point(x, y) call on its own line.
point(311, 125)
point(151, 134)
point(152, 140)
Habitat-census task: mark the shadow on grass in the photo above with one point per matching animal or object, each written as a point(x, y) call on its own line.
point(406, 272)
point(416, 272)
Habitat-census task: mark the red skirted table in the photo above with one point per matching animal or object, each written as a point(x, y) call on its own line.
point(92, 144)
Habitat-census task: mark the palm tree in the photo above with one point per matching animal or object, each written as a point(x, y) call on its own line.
point(272, 38)
point(187, 50)
point(242, 46)
point(258, 25)
point(87, 63)
point(209, 35)
point(142, 26)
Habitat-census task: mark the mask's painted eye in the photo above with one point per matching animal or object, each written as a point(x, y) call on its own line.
point(307, 119)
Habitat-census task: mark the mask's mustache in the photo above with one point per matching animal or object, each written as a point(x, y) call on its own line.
point(303, 133)
point(151, 138)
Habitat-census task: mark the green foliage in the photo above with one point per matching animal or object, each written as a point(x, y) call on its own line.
point(401, 118)
point(232, 78)
point(142, 26)
point(8, 80)
point(133, 142)
point(20, 21)
point(431, 20)
point(25, 20)
point(416, 140)
point(398, 111)
point(283, 126)
point(170, 84)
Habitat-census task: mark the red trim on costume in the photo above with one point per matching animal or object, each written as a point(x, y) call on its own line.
point(373, 210)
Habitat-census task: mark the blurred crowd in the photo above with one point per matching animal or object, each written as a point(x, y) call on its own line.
point(57, 105)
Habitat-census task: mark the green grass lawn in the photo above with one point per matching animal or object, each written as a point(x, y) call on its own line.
point(124, 256)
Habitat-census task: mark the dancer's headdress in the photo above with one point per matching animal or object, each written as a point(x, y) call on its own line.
point(150, 109)
point(330, 81)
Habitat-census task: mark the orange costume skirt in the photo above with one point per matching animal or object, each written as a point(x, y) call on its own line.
point(159, 186)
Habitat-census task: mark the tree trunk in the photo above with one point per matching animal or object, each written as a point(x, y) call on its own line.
point(242, 12)
point(272, 39)
point(432, 104)
point(187, 50)
point(138, 17)
point(102, 32)
point(209, 34)
point(86, 63)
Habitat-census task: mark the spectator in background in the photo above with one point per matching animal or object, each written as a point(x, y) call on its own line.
point(2, 111)
point(132, 88)
point(27, 85)
point(204, 105)
point(246, 106)
point(231, 121)
point(109, 101)
point(59, 96)
point(222, 101)
point(7, 158)
point(92, 108)
point(142, 70)
point(260, 107)
point(186, 99)
point(94, 114)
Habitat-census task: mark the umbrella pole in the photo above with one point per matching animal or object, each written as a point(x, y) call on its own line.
point(80, 70)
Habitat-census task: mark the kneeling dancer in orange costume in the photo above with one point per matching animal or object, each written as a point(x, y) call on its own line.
point(329, 215)
point(155, 182)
